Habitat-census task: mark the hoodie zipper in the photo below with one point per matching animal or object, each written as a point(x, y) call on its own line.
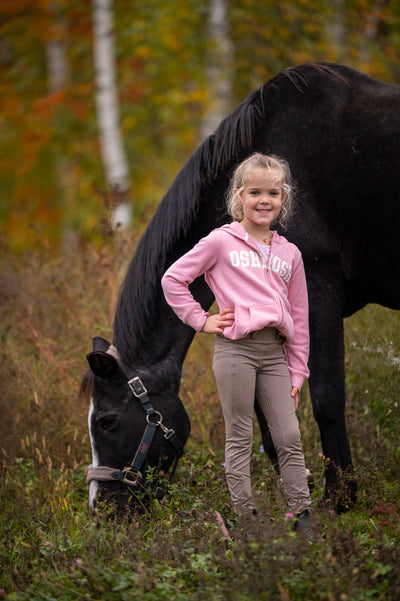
point(248, 240)
point(268, 278)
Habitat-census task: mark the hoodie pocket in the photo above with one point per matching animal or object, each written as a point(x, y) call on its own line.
point(265, 315)
point(254, 318)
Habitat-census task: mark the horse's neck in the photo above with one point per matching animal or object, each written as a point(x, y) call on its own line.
point(159, 345)
point(157, 355)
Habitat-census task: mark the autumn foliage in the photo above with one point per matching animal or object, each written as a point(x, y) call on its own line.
point(52, 180)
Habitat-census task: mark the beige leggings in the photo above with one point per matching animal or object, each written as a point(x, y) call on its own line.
point(242, 368)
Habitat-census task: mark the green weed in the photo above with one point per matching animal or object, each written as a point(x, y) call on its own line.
point(51, 547)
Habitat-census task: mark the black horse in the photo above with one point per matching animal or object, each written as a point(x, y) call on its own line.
point(339, 130)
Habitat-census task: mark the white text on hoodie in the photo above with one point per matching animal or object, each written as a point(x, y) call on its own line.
point(245, 258)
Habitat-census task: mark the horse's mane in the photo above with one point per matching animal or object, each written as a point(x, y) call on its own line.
point(172, 224)
point(300, 76)
point(173, 221)
point(87, 386)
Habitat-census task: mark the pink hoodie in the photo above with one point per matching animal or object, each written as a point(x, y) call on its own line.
point(272, 294)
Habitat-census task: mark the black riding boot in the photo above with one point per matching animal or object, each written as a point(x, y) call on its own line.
point(303, 525)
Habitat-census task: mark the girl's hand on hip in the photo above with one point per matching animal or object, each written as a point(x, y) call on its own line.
point(215, 324)
point(295, 395)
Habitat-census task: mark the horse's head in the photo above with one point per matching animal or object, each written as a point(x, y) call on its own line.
point(127, 432)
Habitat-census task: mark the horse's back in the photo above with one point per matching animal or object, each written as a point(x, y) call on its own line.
point(339, 130)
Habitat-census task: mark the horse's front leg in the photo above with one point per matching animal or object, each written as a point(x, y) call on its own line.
point(327, 387)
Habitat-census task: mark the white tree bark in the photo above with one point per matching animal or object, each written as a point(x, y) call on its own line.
point(370, 34)
point(57, 65)
point(219, 67)
point(336, 30)
point(111, 143)
point(58, 78)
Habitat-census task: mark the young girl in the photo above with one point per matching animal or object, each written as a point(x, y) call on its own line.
point(262, 340)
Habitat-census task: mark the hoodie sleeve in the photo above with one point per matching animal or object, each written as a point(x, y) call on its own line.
point(176, 280)
point(297, 350)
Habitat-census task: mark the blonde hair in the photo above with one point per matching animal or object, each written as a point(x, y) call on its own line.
point(242, 175)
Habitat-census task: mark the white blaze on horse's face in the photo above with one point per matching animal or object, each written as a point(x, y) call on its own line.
point(94, 485)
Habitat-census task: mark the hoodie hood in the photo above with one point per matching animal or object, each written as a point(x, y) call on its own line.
point(237, 230)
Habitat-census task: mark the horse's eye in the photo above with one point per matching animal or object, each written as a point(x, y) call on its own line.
point(107, 422)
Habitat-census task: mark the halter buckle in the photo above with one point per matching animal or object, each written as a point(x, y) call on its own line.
point(137, 387)
point(127, 472)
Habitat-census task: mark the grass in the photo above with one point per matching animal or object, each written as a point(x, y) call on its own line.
point(52, 548)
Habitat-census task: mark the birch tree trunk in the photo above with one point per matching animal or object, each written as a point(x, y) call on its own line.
point(370, 34)
point(336, 30)
point(219, 67)
point(57, 64)
point(58, 78)
point(111, 143)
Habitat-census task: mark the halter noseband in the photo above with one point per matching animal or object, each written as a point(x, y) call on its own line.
point(132, 476)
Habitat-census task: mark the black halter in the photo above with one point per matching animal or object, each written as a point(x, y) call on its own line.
point(131, 475)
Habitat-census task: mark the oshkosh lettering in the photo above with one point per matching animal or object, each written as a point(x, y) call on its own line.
point(251, 258)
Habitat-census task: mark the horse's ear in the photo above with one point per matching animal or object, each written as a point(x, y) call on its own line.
point(102, 364)
point(100, 344)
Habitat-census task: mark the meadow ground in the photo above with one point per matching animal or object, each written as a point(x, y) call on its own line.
point(52, 548)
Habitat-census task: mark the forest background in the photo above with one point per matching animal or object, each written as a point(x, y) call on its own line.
point(101, 104)
point(179, 67)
